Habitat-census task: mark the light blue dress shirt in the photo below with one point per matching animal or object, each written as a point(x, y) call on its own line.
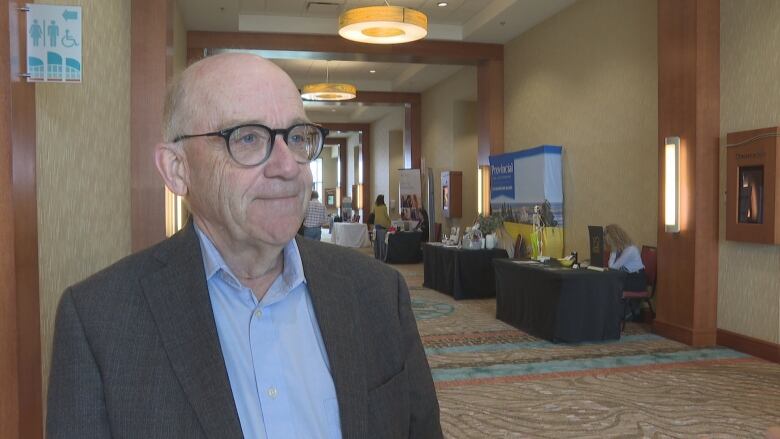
point(274, 353)
point(629, 260)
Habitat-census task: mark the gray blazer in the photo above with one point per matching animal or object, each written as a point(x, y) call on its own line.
point(136, 351)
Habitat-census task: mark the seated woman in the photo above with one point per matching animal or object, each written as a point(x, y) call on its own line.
point(625, 256)
point(381, 224)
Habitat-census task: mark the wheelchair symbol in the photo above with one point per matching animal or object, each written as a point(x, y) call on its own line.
point(68, 40)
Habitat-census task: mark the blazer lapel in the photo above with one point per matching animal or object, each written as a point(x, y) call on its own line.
point(179, 300)
point(333, 298)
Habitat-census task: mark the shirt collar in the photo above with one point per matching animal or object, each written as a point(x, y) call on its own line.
point(292, 272)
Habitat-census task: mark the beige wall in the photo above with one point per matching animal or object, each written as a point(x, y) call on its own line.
point(449, 138)
point(83, 162)
point(380, 153)
point(330, 173)
point(587, 79)
point(749, 274)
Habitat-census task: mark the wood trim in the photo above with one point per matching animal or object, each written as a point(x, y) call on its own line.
point(683, 334)
point(9, 366)
point(334, 47)
point(749, 345)
point(151, 66)
point(689, 107)
point(19, 296)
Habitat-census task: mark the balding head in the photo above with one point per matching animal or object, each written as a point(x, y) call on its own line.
point(234, 203)
point(194, 96)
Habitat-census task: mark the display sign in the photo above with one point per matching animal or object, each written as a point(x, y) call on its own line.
point(409, 194)
point(54, 43)
point(526, 189)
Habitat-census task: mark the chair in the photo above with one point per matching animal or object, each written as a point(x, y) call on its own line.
point(649, 259)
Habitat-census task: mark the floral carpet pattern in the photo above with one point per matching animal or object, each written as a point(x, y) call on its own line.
point(494, 381)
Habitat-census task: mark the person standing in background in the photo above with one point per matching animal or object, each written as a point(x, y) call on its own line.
point(381, 224)
point(315, 217)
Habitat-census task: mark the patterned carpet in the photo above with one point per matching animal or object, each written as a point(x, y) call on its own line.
point(494, 381)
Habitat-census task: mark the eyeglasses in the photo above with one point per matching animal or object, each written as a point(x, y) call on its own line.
point(251, 144)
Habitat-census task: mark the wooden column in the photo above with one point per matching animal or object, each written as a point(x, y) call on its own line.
point(150, 68)
point(365, 152)
point(689, 107)
point(21, 409)
point(490, 102)
point(342, 143)
point(413, 133)
point(343, 161)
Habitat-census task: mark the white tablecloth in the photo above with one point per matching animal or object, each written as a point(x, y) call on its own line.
point(350, 235)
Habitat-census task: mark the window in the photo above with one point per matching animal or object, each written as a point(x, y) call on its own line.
point(316, 173)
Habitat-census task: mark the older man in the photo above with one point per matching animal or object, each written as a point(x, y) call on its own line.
point(232, 328)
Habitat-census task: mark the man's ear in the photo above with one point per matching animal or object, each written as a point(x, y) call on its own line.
point(172, 167)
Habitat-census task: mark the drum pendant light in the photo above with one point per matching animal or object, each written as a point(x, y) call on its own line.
point(328, 91)
point(383, 24)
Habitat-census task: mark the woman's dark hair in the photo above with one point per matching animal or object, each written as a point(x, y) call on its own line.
point(380, 200)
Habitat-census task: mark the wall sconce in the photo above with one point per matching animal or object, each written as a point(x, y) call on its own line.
point(479, 191)
point(358, 203)
point(672, 185)
point(483, 190)
point(174, 213)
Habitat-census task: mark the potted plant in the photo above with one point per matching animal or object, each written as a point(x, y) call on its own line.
point(489, 225)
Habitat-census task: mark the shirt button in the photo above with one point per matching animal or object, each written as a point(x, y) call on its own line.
point(272, 392)
point(259, 313)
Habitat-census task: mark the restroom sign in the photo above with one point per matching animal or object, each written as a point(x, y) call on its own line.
point(54, 43)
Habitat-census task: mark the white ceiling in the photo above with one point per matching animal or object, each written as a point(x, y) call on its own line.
point(347, 112)
point(487, 21)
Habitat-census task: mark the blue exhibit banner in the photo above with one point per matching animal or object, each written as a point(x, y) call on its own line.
point(525, 181)
point(502, 176)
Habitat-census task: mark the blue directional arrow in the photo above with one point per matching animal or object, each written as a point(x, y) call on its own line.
point(70, 15)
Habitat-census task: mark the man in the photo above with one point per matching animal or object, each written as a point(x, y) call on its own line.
point(232, 328)
point(315, 216)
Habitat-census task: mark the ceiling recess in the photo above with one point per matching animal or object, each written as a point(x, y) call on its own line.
point(323, 9)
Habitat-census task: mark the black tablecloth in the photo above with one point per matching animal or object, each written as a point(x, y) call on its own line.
point(559, 304)
point(404, 247)
point(463, 274)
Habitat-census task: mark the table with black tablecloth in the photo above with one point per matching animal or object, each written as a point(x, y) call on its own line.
point(404, 247)
point(559, 304)
point(463, 274)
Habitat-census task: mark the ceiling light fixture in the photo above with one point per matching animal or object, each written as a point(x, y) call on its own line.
point(441, 4)
point(372, 71)
point(328, 91)
point(383, 24)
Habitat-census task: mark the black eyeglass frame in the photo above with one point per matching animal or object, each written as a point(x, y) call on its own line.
point(285, 132)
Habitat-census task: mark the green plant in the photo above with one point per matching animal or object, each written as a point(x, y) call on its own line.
point(490, 223)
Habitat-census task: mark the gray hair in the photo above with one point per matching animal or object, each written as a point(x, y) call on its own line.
point(180, 107)
point(176, 112)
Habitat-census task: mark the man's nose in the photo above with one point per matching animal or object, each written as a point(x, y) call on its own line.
point(282, 163)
